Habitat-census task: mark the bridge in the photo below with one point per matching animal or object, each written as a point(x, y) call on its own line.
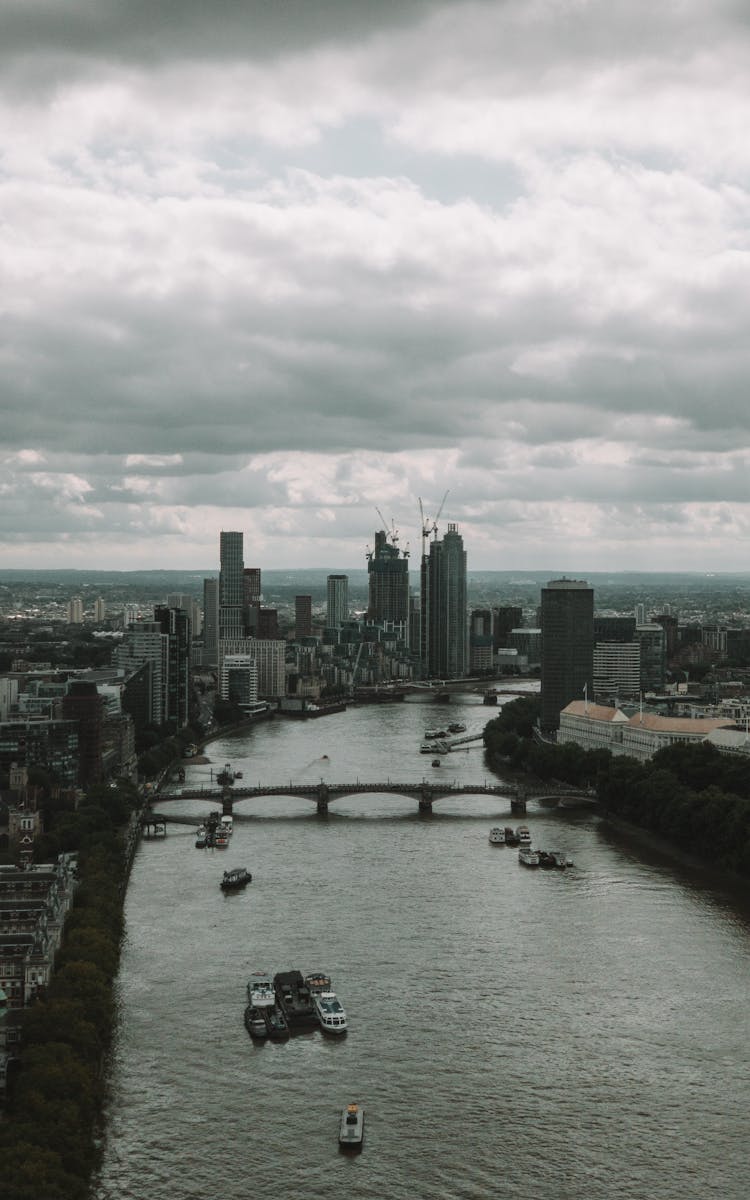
point(321, 794)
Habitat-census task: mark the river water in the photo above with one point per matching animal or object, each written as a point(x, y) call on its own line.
point(515, 1033)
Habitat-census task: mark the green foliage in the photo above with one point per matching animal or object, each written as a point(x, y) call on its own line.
point(689, 793)
point(47, 1144)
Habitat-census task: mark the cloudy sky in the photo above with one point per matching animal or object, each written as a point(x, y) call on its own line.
point(271, 266)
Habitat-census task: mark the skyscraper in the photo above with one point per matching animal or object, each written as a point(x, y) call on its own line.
point(337, 600)
point(444, 629)
point(567, 623)
point(388, 582)
point(231, 587)
point(302, 616)
point(210, 656)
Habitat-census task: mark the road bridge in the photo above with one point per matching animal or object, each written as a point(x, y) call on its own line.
point(322, 794)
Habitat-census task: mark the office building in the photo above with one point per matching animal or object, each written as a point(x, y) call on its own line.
point(444, 625)
point(388, 582)
point(617, 671)
point(84, 706)
point(210, 656)
point(231, 586)
point(652, 640)
point(302, 617)
point(175, 625)
point(567, 666)
point(238, 681)
point(337, 600)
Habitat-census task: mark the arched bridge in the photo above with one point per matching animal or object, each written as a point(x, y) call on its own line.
point(321, 794)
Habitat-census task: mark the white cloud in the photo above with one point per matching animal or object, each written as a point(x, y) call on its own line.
point(217, 313)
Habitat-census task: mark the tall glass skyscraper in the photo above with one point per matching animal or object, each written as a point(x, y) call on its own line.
point(231, 587)
point(337, 597)
point(444, 631)
point(567, 623)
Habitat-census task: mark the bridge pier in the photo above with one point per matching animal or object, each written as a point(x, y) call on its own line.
point(518, 806)
point(227, 800)
point(425, 800)
point(323, 798)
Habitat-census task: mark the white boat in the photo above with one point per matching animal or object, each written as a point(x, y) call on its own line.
point(260, 991)
point(497, 836)
point(523, 835)
point(328, 1008)
point(227, 825)
point(528, 857)
point(330, 1012)
point(352, 1127)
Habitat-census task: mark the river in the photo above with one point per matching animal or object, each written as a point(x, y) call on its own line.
point(536, 1035)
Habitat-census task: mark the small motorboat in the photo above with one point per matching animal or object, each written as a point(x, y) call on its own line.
point(236, 878)
point(352, 1128)
point(436, 762)
point(255, 1022)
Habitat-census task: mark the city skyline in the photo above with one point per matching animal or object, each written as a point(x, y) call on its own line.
point(271, 267)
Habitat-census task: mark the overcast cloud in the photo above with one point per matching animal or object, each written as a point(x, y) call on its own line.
point(268, 266)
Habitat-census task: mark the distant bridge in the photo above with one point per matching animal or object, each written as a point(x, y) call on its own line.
point(321, 794)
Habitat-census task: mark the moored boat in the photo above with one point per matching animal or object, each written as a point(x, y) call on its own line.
point(260, 993)
point(511, 837)
point(497, 836)
point(352, 1127)
point(523, 835)
point(255, 1022)
point(276, 1023)
point(528, 857)
point(456, 727)
point(294, 998)
point(201, 836)
point(236, 878)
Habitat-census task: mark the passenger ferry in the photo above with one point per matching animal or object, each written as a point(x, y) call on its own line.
point(523, 835)
point(497, 836)
point(328, 1007)
point(528, 857)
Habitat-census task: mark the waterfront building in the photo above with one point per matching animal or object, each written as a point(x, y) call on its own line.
point(238, 681)
point(270, 657)
point(600, 727)
point(567, 666)
point(175, 626)
point(444, 626)
point(337, 600)
point(302, 617)
point(481, 649)
point(231, 586)
point(387, 582)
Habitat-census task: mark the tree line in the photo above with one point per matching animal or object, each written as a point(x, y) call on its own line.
point(49, 1136)
point(690, 794)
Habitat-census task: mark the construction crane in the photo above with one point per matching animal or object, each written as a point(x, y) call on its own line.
point(393, 531)
point(425, 526)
